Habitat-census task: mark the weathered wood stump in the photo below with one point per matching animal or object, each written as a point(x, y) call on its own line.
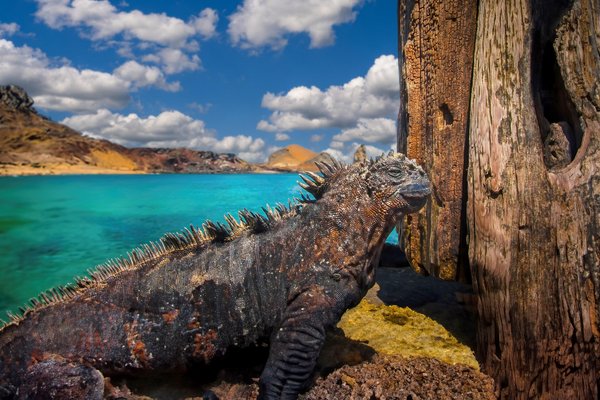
point(533, 183)
point(534, 228)
point(437, 38)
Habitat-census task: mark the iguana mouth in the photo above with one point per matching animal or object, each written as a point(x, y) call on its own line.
point(415, 190)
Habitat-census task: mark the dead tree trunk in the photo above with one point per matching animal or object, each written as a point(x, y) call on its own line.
point(534, 196)
point(533, 178)
point(436, 39)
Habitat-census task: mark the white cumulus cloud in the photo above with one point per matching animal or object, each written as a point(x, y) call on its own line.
point(167, 129)
point(8, 29)
point(376, 95)
point(206, 22)
point(174, 60)
point(363, 109)
point(132, 130)
point(280, 137)
point(201, 108)
point(105, 21)
point(268, 23)
point(167, 38)
point(371, 130)
point(60, 86)
point(143, 75)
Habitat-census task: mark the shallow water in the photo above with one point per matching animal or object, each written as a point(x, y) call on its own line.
point(53, 228)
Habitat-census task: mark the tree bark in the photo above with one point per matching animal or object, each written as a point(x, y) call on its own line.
point(533, 178)
point(436, 40)
point(534, 196)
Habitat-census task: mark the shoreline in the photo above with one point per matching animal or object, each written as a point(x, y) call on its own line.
point(28, 170)
point(16, 171)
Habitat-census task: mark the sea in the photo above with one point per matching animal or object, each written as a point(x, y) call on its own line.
point(53, 228)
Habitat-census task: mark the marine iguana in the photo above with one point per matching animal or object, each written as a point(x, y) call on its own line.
point(288, 275)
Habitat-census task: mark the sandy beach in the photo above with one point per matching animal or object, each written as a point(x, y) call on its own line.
point(61, 169)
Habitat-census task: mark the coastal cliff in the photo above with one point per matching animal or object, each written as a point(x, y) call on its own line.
point(31, 144)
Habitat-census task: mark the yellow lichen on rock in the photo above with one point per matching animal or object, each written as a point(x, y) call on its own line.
point(394, 330)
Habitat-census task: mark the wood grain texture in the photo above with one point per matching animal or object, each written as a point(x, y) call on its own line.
point(533, 241)
point(436, 40)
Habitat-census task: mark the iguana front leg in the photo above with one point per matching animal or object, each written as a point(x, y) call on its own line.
point(296, 345)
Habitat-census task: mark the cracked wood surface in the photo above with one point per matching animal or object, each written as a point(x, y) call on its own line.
point(436, 41)
point(533, 228)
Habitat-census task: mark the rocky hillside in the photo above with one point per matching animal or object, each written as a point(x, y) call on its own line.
point(33, 144)
point(183, 160)
point(296, 158)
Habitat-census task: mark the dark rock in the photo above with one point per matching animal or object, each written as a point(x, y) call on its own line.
point(360, 154)
point(57, 379)
point(15, 97)
point(339, 350)
point(392, 257)
point(120, 392)
point(181, 160)
point(392, 377)
point(383, 377)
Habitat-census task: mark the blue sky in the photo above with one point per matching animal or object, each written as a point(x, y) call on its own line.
point(246, 76)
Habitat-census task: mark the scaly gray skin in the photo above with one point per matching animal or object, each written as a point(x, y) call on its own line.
point(287, 276)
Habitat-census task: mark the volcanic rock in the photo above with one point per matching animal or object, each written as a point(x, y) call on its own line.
point(360, 155)
point(394, 377)
point(15, 97)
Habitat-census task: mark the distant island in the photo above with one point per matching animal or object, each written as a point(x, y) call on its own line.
point(31, 144)
point(296, 158)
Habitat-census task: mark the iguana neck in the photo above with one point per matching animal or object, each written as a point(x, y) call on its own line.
point(349, 227)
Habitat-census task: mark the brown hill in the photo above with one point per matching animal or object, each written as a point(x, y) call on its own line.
point(290, 157)
point(310, 164)
point(33, 144)
point(296, 158)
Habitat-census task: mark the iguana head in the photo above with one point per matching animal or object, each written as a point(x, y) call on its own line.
point(387, 187)
point(360, 205)
point(398, 183)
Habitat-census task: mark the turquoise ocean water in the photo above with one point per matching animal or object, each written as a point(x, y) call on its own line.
point(53, 228)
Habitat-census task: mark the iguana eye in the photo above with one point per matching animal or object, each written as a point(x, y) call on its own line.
point(395, 172)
